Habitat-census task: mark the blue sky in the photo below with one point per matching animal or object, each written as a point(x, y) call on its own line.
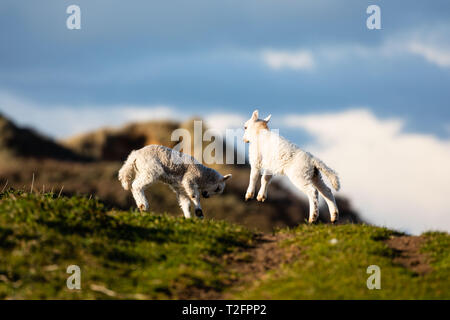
point(222, 59)
point(206, 55)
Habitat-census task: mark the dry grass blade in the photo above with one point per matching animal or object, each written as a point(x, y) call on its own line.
point(32, 184)
point(60, 191)
point(4, 187)
point(102, 289)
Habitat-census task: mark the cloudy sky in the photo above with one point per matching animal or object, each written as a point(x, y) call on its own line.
point(374, 104)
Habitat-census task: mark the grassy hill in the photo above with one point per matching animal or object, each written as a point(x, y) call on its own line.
point(123, 254)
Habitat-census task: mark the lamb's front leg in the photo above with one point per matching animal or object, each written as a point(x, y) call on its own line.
point(194, 195)
point(185, 204)
point(254, 174)
point(265, 180)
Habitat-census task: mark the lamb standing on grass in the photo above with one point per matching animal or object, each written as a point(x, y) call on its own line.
point(186, 176)
point(273, 154)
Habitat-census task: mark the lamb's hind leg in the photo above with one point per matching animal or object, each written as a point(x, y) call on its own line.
point(313, 197)
point(137, 189)
point(328, 196)
point(311, 192)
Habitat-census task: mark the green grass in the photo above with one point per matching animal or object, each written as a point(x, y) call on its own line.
point(123, 254)
point(134, 255)
point(437, 247)
point(338, 271)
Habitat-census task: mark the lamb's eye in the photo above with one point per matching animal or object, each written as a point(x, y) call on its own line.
point(218, 189)
point(245, 128)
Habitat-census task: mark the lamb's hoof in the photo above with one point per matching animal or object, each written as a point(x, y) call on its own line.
point(261, 198)
point(335, 220)
point(199, 213)
point(249, 196)
point(142, 208)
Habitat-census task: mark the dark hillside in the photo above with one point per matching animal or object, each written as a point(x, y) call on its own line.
point(23, 142)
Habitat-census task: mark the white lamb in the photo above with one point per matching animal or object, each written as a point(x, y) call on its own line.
point(186, 176)
point(271, 155)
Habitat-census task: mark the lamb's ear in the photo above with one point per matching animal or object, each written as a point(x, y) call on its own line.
point(255, 115)
point(226, 177)
point(268, 118)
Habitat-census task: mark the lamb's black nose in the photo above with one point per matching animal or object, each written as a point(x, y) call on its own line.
point(205, 194)
point(199, 213)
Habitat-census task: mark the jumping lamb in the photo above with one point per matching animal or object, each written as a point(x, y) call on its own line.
point(187, 177)
point(271, 154)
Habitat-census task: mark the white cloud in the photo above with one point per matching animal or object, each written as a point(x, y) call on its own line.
point(394, 178)
point(223, 121)
point(296, 60)
point(431, 53)
point(431, 43)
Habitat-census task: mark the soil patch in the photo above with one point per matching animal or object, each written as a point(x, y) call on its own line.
point(407, 250)
point(248, 265)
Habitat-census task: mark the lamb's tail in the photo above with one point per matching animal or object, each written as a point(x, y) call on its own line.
point(126, 173)
point(330, 173)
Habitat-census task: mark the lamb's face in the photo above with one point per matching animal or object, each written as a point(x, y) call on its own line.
point(215, 188)
point(252, 127)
